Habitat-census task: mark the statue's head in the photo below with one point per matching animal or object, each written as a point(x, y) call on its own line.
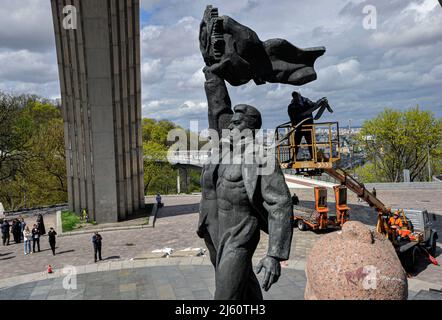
point(245, 117)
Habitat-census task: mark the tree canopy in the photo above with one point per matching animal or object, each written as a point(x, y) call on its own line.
point(32, 161)
point(32, 154)
point(398, 140)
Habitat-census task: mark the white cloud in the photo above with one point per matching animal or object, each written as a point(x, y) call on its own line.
point(422, 9)
point(363, 71)
point(152, 71)
point(170, 41)
point(26, 66)
point(342, 75)
point(26, 24)
point(149, 4)
point(196, 81)
point(280, 92)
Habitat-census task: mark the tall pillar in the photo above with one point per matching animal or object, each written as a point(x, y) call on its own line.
point(100, 81)
point(184, 179)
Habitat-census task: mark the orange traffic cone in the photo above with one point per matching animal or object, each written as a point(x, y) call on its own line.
point(49, 269)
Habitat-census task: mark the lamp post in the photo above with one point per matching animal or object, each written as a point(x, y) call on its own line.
point(350, 144)
point(429, 164)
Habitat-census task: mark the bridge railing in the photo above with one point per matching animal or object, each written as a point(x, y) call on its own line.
point(192, 157)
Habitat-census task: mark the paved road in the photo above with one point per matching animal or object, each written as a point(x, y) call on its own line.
point(189, 282)
point(175, 228)
point(173, 278)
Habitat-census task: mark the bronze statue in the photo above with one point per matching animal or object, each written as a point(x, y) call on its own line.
point(237, 203)
point(238, 200)
point(237, 55)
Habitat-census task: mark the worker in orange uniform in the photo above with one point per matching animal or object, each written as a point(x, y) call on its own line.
point(396, 224)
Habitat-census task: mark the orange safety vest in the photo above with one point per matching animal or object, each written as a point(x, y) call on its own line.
point(395, 222)
point(398, 222)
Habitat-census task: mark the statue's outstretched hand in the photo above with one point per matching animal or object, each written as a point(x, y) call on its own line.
point(272, 271)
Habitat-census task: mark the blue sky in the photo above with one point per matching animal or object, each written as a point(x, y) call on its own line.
point(396, 65)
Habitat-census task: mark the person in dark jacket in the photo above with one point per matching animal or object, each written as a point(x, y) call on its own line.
point(16, 230)
point(35, 238)
point(300, 111)
point(158, 199)
point(5, 232)
point(295, 200)
point(96, 241)
point(22, 227)
point(41, 224)
point(51, 234)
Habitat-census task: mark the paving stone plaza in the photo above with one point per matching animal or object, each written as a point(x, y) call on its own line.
point(131, 271)
point(168, 282)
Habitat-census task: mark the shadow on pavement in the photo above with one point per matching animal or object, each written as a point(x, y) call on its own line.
point(171, 211)
point(142, 213)
point(5, 254)
point(111, 258)
point(66, 251)
point(423, 262)
point(7, 258)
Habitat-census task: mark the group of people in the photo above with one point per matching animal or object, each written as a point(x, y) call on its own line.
point(31, 237)
point(21, 232)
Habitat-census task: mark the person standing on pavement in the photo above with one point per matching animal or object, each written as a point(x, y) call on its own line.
point(5, 232)
point(35, 238)
point(22, 226)
point(41, 224)
point(16, 233)
point(14, 230)
point(96, 241)
point(158, 199)
point(27, 237)
point(51, 234)
point(2, 211)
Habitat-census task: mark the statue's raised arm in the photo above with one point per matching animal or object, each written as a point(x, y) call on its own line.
point(218, 101)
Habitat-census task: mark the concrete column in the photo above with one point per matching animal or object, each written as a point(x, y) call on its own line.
point(184, 179)
point(100, 81)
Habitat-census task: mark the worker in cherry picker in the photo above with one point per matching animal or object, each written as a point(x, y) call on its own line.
point(300, 111)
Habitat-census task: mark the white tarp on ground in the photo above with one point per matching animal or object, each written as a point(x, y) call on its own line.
point(300, 182)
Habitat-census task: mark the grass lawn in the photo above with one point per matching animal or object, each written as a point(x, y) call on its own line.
point(69, 220)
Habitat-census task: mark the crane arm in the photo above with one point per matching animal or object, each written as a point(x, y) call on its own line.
point(358, 188)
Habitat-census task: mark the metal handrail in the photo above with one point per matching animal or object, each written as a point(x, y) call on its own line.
point(290, 147)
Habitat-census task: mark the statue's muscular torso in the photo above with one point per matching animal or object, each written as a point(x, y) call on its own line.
point(232, 199)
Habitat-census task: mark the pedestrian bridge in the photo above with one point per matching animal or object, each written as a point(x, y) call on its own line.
point(192, 158)
point(196, 159)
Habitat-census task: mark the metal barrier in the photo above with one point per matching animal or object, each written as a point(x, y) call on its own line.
point(321, 144)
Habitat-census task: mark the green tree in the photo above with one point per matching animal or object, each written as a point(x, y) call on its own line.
point(398, 140)
point(154, 162)
point(32, 154)
point(15, 132)
point(159, 175)
point(32, 164)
